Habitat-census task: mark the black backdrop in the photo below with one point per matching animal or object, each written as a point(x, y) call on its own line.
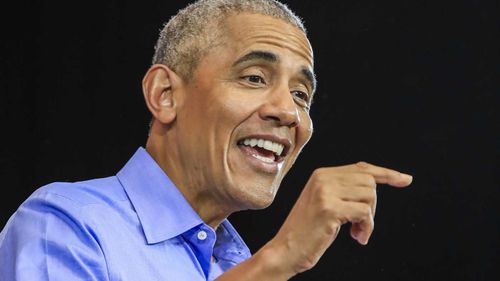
point(411, 85)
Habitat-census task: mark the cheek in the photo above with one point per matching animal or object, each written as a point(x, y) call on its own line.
point(236, 108)
point(305, 130)
point(224, 116)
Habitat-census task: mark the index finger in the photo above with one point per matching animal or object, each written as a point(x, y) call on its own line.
point(385, 175)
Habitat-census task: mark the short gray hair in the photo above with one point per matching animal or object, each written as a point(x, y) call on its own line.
point(188, 35)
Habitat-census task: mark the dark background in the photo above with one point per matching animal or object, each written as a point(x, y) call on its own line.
point(411, 85)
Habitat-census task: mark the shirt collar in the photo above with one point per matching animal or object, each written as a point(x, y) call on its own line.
point(162, 209)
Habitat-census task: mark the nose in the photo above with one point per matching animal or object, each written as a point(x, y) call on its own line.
point(280, 107)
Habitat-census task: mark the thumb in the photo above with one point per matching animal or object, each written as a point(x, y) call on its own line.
point(360, 232)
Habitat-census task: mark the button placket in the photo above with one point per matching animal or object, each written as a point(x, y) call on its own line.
point(203, 242)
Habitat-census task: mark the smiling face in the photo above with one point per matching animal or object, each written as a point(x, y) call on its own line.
point(244, 116)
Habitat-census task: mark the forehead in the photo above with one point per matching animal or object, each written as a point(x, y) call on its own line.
point(246, 31)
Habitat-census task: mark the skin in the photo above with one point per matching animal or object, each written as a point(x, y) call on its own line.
point(235, 93)
point(255, 83)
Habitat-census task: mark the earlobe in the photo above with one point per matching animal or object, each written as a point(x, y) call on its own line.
point(159, 86)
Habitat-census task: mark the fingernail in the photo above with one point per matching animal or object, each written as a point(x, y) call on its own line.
point(407, 177)
point(367, 239)
point(363, 241)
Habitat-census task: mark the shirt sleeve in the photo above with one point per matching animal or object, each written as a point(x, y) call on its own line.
point(50, 238)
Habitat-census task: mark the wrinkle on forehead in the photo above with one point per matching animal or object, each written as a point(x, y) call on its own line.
point(258, 28)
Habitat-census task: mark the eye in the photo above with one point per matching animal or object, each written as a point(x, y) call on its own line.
point(254, 79)
point(301, 95)
point(302, 98)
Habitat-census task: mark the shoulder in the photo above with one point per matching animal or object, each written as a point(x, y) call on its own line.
point(63, 207)
point(83, 193)
point(54, 231)
point(69, 203)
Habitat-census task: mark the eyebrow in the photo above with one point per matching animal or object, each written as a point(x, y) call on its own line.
point(309, 75)
point(257, 55)
point(271, 57)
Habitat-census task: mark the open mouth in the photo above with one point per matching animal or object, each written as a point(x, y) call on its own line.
point(266, 150)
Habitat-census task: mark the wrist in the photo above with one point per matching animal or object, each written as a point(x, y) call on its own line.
point(274, 260)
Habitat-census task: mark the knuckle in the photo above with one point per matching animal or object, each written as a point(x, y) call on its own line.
point(321, 177)
point(366, 211)
point(317, 175)
point(368, 180)
point(324, 207)
point(327, 208)
point(373, 196)
point(371, 182)
point(332, 229)
point(369, 197)
point(363, 165)
point(318, 172)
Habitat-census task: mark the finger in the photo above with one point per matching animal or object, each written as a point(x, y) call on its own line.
point(384, 175)
point(361, 217)
point(372, 203)
point(353, 186)
point(357, 194)
point(362, 231)
point(355, 179)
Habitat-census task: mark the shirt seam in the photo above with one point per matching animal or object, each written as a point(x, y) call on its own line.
point(80, 206)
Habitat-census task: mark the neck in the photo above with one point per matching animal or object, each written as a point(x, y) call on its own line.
point(196, 194)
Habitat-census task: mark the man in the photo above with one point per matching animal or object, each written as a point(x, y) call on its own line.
point(229, 90)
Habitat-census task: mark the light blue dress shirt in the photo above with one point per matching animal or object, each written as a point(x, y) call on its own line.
point(134, 226)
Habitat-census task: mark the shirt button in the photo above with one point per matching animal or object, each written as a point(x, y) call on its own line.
point(202, 235)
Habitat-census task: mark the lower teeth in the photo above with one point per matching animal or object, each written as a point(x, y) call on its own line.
point(263, 159)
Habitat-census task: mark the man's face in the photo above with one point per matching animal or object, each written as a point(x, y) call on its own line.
point(244, 117)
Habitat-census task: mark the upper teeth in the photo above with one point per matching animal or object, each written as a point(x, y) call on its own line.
point(275, 147)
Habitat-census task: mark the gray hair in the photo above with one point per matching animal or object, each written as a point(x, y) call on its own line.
point(187, 36)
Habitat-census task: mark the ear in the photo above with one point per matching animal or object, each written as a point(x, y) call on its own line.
point(159, 86)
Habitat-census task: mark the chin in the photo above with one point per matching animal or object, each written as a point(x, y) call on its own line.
point(261, 198)
point(260, 204)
